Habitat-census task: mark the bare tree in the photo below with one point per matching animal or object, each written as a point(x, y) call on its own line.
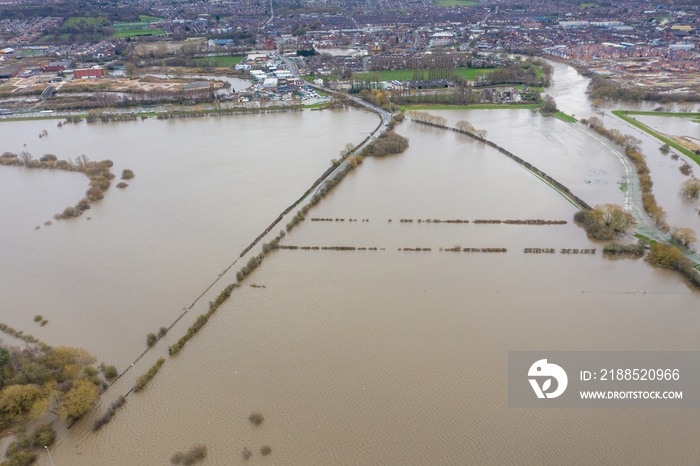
point(684, 236)
point(25, 157)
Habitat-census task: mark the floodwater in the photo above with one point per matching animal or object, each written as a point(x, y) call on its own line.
point(353, 357)
point(204, 189)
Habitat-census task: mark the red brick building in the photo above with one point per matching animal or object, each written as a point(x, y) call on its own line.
point(89, 73)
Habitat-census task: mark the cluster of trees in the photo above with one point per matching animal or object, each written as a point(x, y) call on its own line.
point(462, 94)
point(379, 98)
point(670, 257)
point(691, 188)
point(467, 127)
point(605, 222)
point(425, 117)
point(549, 106)
point(34, 381)
point(23, 450)
point(387, 143)
point(683, 236)
point(514, 75)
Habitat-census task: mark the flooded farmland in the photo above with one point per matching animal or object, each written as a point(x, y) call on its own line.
point(384, 356)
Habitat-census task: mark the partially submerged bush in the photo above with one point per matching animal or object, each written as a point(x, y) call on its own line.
point(670, 257)
point(109, 413)
point(683, 236)
point(109, 372)
point(127, 174)
point(145, 378)
point(386, 143)
point(691, 188)
point(191, 456)
point(22, 451)
point(256, 418)
point(636, 249)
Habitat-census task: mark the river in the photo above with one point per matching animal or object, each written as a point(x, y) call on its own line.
point(354, 357)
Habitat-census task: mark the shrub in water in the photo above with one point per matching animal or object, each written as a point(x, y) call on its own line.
point(256, 418)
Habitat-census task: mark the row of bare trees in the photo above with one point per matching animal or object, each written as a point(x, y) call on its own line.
point(425, 117)
point(467, 127)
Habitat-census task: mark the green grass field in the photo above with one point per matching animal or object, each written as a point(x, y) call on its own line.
point(454, 3)
point(149, 18)
point(588, 5)
point(666, 114)
point(139, 32)
point(564, 117)
point(221, 61)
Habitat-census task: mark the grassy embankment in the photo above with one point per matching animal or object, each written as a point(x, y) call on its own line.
point(624, 115)
point(564, 117)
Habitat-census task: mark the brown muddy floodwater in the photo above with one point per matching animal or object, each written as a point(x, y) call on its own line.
point(353, 357)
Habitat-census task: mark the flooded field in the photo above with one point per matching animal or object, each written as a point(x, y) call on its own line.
point(383, 356)
point(673, 126)
point(204, 189)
